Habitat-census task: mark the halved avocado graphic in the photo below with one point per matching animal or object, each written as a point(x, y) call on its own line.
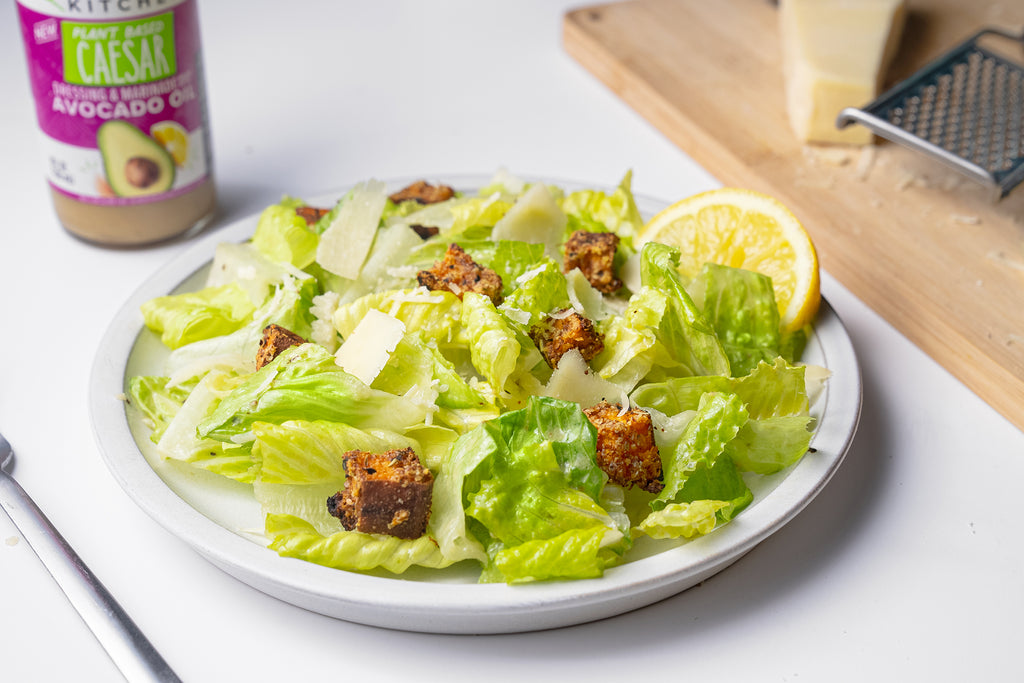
point(136, 165)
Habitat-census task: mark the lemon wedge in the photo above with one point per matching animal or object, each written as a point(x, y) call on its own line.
point(174, 138)
point(745, 229)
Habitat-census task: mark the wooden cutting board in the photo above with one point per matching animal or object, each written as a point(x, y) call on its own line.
point(929, 250)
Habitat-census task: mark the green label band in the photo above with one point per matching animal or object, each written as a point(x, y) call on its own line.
point(119, 53)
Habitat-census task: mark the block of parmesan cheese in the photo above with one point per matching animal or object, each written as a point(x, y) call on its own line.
point(835, 54)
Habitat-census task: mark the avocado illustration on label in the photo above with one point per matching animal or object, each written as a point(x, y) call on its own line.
point(136, 165)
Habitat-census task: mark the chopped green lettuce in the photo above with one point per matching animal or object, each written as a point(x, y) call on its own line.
point(774, 397)
point(292, 536)
point(539, 291)
point(283, 236)
point(304, 382)
point(699, 467)
point(435, 315)
point(288, 307)
point(181, 319)
point(533, 488)
point(682, 520)
point(493, 347)
point(389, 365)
point(767, 391)
point(740, 305)
point(157, 401)
point(595, 211)
point(683, 330)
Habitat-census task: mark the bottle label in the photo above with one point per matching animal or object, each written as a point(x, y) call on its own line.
point(120, 98)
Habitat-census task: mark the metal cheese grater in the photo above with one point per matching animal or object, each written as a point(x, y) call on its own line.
point(966, 109)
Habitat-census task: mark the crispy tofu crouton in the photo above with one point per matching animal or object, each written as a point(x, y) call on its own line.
point(425, 231)
point(275, 339)
point(559, 333)
point(311, 214)
point(458, 273)
point(423, 192)
point(593, 253)
point(625, 446)
point(385, 493)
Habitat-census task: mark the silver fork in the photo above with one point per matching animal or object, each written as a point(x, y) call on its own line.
point(133, 654)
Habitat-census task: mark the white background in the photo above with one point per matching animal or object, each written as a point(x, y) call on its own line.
point(907, 567)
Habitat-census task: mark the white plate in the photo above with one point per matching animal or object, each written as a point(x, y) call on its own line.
point(220, 519)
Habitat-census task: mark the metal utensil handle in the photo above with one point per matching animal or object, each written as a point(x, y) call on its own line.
point(130, 650)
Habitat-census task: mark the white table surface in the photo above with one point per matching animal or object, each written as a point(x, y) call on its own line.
point(909, 566)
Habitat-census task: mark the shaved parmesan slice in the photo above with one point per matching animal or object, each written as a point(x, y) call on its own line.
point(834, 55)
point(815, 377)
point(535, 218)
point(347, 240)
point(504, 178)
point(519, 316)
point(528, 275)
point(573, 380)
point(366, 351)
point(630, 272)
point(585, 300)
point(323, 308)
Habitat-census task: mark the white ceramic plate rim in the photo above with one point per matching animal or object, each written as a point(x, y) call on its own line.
point(457, 607)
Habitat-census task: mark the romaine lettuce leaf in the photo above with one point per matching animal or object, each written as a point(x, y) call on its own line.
point(631, 345)
point(288, 307)
point(157, 401)
point(768, 391)
point(292, 537)
point(740, 305)
point(283, 236)
point(511, 259)
point(574, 554)
point(173, 412)
point(493, 347)
point(775, 397)
point(181, 319)
point(593, 210)
point(682, 520)
point(301, 465)
point(530, 477)
point(435, 315)
point(538, 291)
point(179, 440)
point(302, 452)
point(699, 468)
point(418, 362)
point(683, 329)
point(771, 444)
point(475, 212)
point(304, 382)
point(455, 218)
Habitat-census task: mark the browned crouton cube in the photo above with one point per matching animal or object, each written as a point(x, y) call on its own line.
point(385, 493)
point(311, 214)
point(458, 273)
point(423, 193)
point(625, 446)
point(275, 339)
point(593, 253)
point(425, 231)
point(561, 332)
